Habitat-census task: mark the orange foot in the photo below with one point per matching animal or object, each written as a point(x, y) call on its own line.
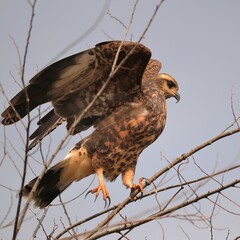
point(138, 186)
point(101, 187)
point(106, 197)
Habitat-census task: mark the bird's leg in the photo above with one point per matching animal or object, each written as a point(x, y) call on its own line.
point(101, 187)
point(127, 180)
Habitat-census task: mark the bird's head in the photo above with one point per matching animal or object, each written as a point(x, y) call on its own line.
point(169, 86)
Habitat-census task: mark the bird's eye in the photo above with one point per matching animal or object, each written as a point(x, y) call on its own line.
point(170, 84)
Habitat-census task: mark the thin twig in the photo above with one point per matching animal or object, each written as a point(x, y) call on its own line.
point(19, 219)
point(85, 34)
point(67, 215)
point(233, 112)
point(129, 225)
point(40, 221)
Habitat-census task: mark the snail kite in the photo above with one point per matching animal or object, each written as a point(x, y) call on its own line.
point(128, 113)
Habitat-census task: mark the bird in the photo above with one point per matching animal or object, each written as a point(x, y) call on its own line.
point(128, 115)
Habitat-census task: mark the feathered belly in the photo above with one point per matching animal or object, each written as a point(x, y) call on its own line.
point(118, 149)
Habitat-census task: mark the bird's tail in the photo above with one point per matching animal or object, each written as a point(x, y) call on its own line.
point(74, 167)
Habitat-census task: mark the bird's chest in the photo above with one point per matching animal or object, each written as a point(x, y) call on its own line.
point(120, 145)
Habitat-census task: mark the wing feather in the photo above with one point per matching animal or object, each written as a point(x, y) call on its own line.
point(61, 80)
point(152, 70)
point(71, 83)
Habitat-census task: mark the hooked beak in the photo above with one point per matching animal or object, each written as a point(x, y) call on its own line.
point(177, 97)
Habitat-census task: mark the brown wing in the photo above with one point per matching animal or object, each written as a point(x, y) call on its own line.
point(51, 121)
point(71, 83)
point(80, 76)
point(152, 70)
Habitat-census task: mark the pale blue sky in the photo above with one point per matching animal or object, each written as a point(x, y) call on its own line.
point(198, 43)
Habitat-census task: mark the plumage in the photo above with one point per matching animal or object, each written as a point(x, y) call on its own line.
point(51, 121)
point(71, 83)
point(128, 116)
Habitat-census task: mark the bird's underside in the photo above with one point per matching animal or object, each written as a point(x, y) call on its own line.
point(128, 115)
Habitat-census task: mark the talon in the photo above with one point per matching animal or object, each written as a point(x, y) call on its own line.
point(108, 199)
point(138, 186)
point(95, 190)
point(88, 193)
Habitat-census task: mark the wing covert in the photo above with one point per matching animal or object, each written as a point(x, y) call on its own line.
point(61, 81)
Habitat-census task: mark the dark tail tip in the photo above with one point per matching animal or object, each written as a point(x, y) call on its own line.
point(48, 188)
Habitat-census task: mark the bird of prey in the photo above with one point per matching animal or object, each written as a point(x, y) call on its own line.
point(128, 114)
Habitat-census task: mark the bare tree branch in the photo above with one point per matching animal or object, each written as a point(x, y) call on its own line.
point(185, 197)
point(18, 221)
